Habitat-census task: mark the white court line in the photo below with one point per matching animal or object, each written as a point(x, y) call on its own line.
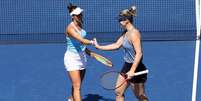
point(197, 48)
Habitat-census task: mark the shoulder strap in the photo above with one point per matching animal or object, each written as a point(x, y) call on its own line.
point(126, 36)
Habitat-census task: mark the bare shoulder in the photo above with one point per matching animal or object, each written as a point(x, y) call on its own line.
point(69, 27)
point(135, 33)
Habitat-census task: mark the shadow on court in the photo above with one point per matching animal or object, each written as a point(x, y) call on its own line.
point(96, 97)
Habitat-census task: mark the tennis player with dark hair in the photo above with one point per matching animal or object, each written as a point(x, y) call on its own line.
point(75, 55)
point(131, 43)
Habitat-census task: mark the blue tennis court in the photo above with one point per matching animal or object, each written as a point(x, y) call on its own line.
point(35, 72)
point(32, 47)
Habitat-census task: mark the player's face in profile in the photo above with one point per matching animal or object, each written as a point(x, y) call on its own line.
point(123, 23)
point(78, 18)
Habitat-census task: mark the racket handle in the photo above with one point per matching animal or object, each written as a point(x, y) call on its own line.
point(141, 72)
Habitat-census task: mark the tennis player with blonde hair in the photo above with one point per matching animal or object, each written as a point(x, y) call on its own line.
point(131, 43)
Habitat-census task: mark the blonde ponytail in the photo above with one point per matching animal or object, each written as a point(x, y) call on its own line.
point(132, 10)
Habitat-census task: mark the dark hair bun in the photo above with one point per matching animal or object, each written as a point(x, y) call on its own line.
point(71, 7)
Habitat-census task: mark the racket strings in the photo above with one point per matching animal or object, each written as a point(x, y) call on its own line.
point(111, 80)
point(108, 80)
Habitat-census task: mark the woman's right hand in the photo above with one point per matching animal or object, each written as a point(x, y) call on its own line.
point(95, 43)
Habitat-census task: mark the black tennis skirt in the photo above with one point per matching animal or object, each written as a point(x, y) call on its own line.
point(136, 79)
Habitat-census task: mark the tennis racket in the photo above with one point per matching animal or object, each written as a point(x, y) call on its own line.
point(109, 79)
point(102, 59)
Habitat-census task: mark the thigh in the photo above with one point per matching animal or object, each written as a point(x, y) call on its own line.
point(138, 88)
point(75, 77)
point(121, 87)
point(82, 74)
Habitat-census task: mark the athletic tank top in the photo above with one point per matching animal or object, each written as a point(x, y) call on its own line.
point(74, 45)
point(129, 52)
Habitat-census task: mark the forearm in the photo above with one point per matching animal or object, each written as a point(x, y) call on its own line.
point(136, 62)
point(86, 41)
point(108, 47)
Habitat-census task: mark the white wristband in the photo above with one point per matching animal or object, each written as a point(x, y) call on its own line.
point(92, 42)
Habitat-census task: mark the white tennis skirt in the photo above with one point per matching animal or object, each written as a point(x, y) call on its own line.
point(75, 61)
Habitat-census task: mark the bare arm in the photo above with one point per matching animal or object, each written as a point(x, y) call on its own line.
point(108, 47)
point(72, 33)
